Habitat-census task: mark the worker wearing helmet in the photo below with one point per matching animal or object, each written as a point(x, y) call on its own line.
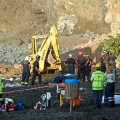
point(26, 71)
point(98, 81)
point(81, 66)
point(103, 65)
point(36, 71)
point(105, 57)
point(70, 64)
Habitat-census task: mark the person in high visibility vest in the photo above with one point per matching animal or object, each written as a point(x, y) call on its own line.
point(1, 95)
point(98, 81)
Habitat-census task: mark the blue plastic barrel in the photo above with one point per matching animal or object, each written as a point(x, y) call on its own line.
point(72, 81)
point(72, 88)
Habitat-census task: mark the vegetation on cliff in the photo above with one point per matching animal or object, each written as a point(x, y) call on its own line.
point(112, 44)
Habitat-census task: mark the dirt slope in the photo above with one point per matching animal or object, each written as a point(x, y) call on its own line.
point(24, 18)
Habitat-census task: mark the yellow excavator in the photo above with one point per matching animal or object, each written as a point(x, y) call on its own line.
point(47, 47)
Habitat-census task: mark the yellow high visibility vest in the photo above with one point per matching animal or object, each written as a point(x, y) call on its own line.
point(98, 80)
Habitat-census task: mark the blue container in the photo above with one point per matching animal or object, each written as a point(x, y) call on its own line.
point(0, 109)
point(72, 81)
point(72, 88)
point(20, 105)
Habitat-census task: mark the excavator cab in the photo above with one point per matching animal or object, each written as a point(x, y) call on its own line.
point(47, 47)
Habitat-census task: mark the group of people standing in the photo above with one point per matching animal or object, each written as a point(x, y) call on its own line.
point(103, 82)
point(26, 71)
point(25, 75)
point(83, 65)
point(102, 79)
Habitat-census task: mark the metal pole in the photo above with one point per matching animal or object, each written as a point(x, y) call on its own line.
point(70, 105)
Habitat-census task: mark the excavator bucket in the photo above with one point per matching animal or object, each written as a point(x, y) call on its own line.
point(50, 58)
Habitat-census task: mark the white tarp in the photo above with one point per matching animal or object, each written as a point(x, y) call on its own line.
point(117, 99)
point(10, 79)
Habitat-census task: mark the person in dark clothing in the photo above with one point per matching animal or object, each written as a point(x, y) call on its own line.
point(70, 64)
point(88, 65)
point(103, 65)
point(81, 66)
point(26, 71)
point(36, 71)
point(105, 57)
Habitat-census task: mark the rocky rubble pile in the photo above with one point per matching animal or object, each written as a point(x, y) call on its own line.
point(13, 54)
point(90, 35)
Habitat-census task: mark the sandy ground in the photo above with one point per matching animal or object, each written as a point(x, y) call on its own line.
point(82, 112)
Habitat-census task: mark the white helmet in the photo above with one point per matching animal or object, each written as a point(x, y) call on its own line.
point(8, 100)
point(70, 55)
point(26, 58)
point(11, 79)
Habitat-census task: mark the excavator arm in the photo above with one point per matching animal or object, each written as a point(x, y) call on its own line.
point(48, 50)
point(55, 44)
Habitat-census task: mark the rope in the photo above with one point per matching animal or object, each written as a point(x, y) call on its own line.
point(26, 89)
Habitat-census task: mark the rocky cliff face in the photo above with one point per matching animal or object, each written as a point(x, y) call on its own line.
point(21, 19)
point(24, 18)
point(113, 15)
